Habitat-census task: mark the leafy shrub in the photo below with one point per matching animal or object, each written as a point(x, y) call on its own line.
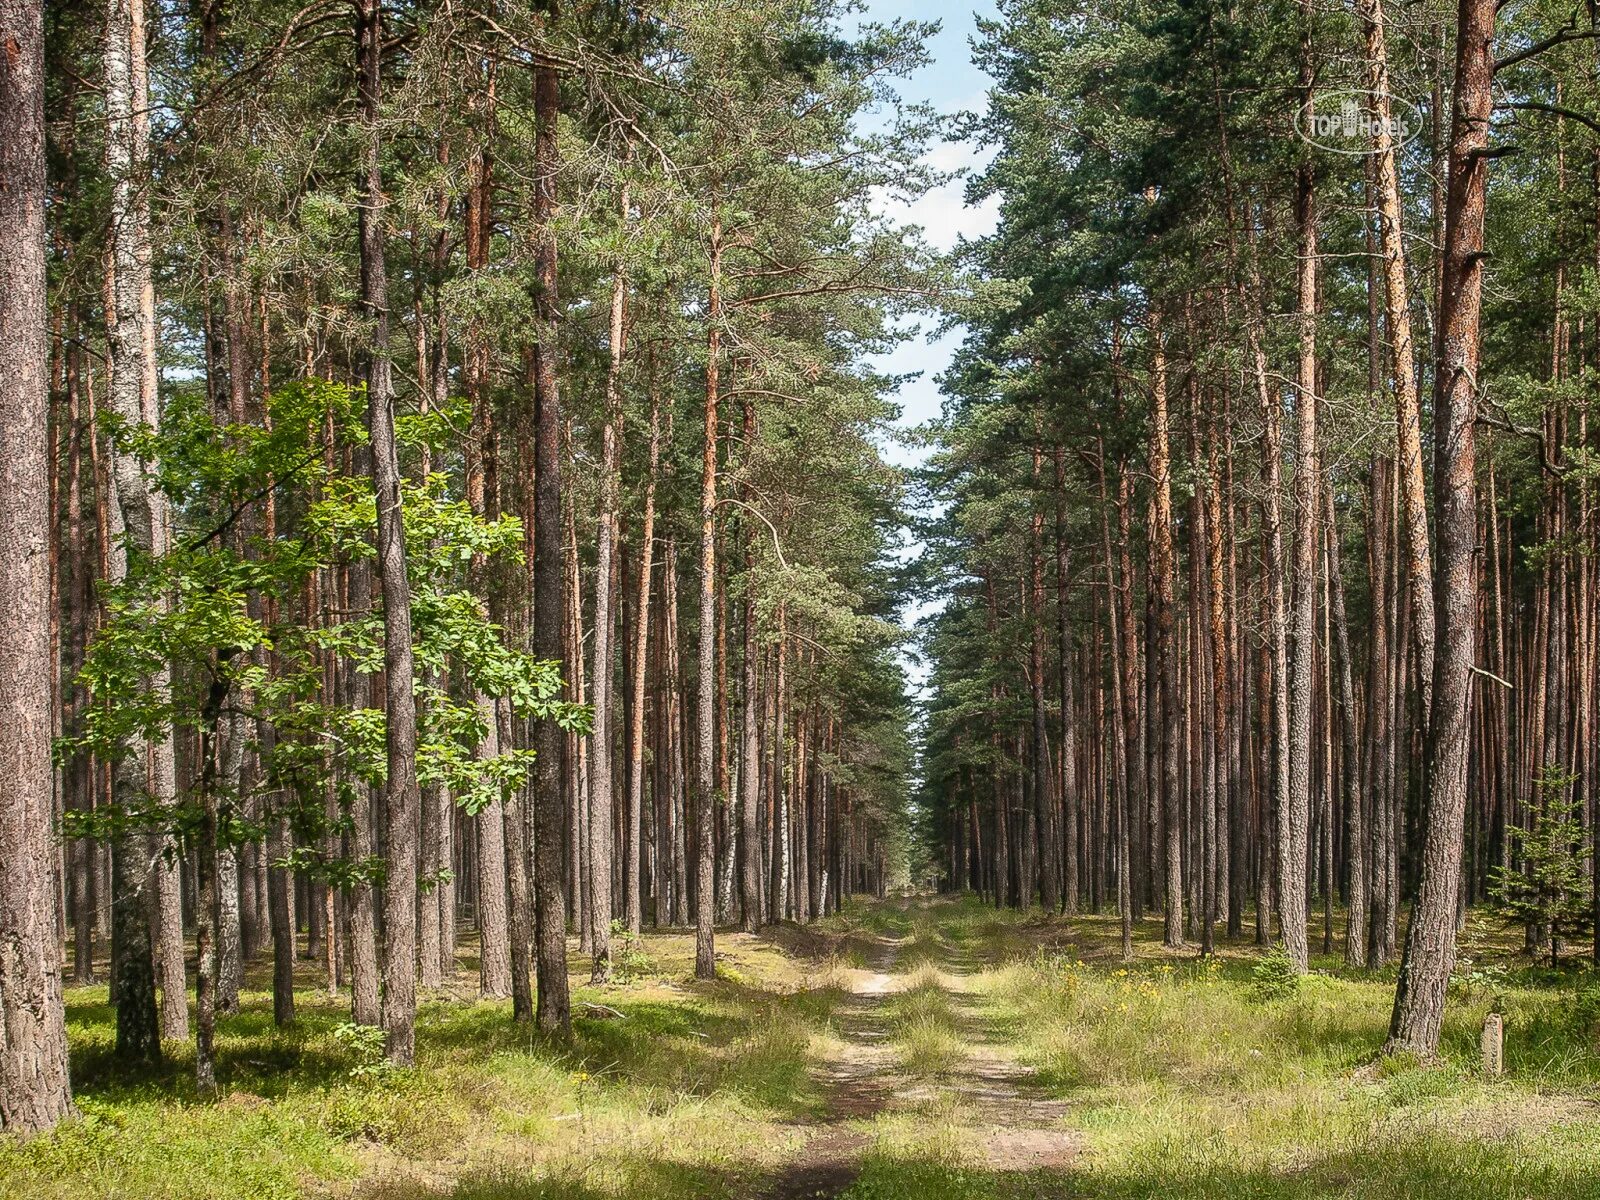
point(1481, 983)
point(365, 1045)
point(359, 1114)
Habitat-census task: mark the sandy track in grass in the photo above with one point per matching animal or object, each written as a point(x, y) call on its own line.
point(858, 1078)
point(1009, 1124)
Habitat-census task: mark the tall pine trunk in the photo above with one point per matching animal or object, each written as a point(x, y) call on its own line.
point(1295, 822)
point(632, 877)
point(34, 1091)
point(1165, 653)
point(554, 1008)
point(1397, 309)
point(705, 708)
point(1430, 943)
point(402, 800)
point(601, 787)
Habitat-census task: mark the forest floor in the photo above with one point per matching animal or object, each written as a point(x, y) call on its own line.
point(931, 1049)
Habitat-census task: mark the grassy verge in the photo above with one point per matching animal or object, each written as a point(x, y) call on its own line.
point(1213, 1079)
point(924, 1026)
point(685, 1094)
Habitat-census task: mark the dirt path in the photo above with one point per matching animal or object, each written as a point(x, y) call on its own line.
point(858, 1080)
point(1006, 1123)
point(1023, 1128)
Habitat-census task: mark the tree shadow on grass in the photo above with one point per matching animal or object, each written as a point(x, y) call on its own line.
point(718, 1037)
point(252, 1054)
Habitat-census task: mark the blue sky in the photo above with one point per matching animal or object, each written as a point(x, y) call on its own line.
point(951, 84)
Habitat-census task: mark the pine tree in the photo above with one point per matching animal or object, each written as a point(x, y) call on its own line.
point(1550, 892)
point(34, 1090)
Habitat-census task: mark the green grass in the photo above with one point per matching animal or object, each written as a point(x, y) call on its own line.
point(687, 1094)
point(1190, 1079)
point(1181, 1078)
point(924, 1027)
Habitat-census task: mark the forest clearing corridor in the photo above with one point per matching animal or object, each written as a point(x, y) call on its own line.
point(725, 600)
point(980, 1094)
